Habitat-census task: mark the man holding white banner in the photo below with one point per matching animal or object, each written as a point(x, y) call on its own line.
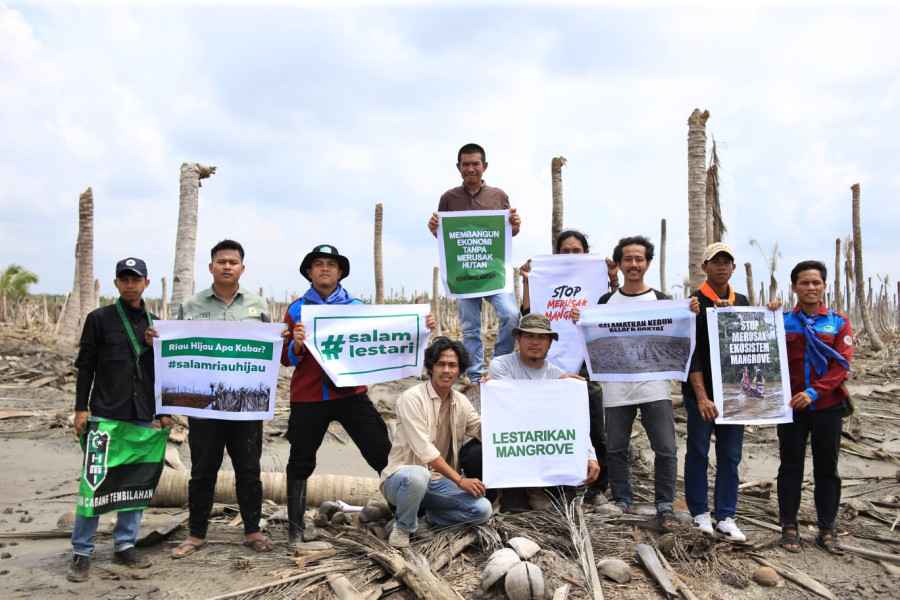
point(535, 337)
point(225, 300)
point(316, 399)
point(623, 398)
point(572, 277)
point(475, 195)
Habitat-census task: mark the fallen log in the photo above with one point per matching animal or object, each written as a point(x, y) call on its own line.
point(173, 488)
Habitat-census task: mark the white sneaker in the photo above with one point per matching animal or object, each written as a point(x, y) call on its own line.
point(398, 538)
point(728, 529)
point(703, 522)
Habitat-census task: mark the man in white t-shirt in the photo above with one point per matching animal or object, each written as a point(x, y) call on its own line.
point(621, 400)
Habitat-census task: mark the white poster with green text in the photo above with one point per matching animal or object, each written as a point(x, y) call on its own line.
point(358, 344)
point(534, 433)
point(474, 249)
point(217, 369)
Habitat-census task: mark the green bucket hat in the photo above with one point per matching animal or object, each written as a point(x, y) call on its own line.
point(535, 323)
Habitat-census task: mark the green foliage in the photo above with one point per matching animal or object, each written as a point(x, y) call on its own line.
point(14, 280)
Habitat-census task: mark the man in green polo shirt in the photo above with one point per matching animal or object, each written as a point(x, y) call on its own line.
point(225, 300)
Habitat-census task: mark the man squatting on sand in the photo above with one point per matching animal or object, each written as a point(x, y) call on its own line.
point(115, 370)
point(475, 194)
point(622, 399)
point(422, 471)
point(718, 264)
point(572, 241)
point(315, 400)
point(225, 300)
point(819, 351)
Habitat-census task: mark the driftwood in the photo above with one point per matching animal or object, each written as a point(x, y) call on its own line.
point(589, 553)
point(872, 555)
point(410, 566)
point(647, 556)
point(343, 589)
point(798, 577)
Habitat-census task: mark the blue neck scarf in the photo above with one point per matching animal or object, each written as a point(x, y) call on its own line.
point(817, 351)
point(338, 296)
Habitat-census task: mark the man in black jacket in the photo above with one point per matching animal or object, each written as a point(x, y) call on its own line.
point(115, 372)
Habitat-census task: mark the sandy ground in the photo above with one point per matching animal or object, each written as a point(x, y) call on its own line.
point(41, 467)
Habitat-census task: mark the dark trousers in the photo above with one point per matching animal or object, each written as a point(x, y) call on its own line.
point(598, 438)
point(309, 422)
point(824, 427)
point(208, 440)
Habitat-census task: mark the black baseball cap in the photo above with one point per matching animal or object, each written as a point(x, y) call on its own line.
point(133, 265)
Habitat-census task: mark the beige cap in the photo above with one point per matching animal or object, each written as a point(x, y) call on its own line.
point(715, 248)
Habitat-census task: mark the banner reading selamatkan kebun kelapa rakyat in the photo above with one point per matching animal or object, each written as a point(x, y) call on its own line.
point(217, 369)
point(638, 341)
point(122, 465)
point(358, 344)
point(748, 355)
point(534, 433)
point(558, 283)
point(475, 250)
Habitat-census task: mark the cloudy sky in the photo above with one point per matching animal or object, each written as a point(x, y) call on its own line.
point(313, 116)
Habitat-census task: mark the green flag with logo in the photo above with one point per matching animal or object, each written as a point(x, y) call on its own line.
point(122, 465)
point(475, 251)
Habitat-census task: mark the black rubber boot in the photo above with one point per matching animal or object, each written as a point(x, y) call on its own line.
point(296, 507)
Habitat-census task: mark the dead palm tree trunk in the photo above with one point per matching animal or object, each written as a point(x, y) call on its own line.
point(379, 260)
point(874, 339)
point(837, 274)
point(749, 269)
point(848, 275)
point(186, 236)
point(696, 195)
point(436, 301)
point(164, 307)
point(85, 255)
point(556, 166)
point(662, 256)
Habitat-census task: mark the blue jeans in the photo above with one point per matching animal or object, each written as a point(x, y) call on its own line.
point(659, 423)
point(444, 502)
point(470, 321)
point(729, 444)
point(125, 531)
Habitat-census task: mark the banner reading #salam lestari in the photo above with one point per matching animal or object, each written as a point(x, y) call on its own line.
point(217, 369)
point(358, 344)
point(748, 356)
point(638, 341)
point(122, 465)
point(474, 248)
point(534, 433)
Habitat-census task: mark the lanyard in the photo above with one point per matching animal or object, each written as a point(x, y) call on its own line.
point(138, 349)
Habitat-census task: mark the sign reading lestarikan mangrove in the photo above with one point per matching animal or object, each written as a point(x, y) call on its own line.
point(357, 344)
point(534, 433)
point(217, 369)
point(474, 248)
